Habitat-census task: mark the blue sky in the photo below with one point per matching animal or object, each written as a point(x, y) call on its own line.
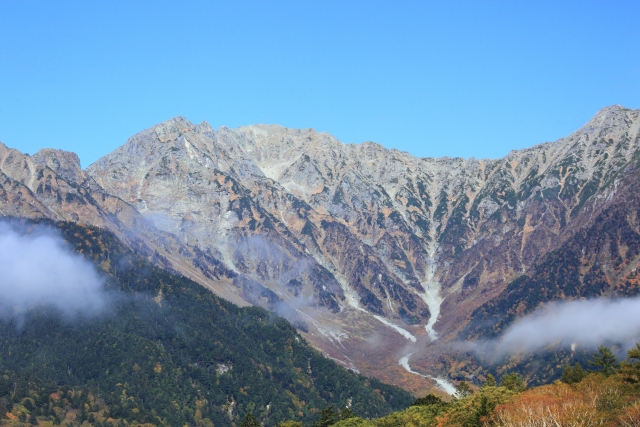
point(457, 78)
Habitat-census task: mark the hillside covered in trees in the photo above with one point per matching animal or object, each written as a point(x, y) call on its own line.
point(169, 352)
point(607, 393)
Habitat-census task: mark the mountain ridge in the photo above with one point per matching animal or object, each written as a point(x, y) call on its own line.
point(364, 243)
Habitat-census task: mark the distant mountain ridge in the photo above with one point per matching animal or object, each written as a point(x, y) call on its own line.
point(372, 249)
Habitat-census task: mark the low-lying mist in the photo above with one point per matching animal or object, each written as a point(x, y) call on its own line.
point(39, 269)
point(583, 323)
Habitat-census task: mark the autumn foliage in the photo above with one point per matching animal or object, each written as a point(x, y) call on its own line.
point(596, 400)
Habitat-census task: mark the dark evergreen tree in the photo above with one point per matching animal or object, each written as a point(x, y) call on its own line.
point(484, 410)
point(249, 421)
point(463, 390)
point(490, 381)
point(346, 414)
point(572, 375)
point(630, 369)
point(605, 361)
point(328, 417)
point(513, 382)
point(429, 399)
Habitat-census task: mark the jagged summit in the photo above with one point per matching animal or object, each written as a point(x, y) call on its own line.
point(269, 143)
point(610, 120)
point(64, 163)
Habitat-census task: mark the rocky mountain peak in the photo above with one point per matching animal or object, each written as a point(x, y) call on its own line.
point(609, 122)
point(172, 128)
point(64, 163)
point(204, 127)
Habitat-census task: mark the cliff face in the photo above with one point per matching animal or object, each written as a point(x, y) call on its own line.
point(51, 184)
point(368, 249)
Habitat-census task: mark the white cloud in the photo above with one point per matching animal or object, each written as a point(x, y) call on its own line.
point(587, 323)
point(38, 269)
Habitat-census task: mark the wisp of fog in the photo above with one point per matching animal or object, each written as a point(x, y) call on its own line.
point(38, 269)
point(586, 323)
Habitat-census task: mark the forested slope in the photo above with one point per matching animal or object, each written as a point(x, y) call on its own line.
point(170, 352)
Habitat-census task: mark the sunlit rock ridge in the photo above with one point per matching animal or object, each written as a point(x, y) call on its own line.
point(370, 251)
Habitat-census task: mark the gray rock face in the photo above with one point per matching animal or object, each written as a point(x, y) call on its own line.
point(388, 232)
point(352, 240)
point(50, 184)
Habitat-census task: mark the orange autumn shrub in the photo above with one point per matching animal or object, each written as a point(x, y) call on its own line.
point(555, 405)
point(630, 417)
point(594, 401)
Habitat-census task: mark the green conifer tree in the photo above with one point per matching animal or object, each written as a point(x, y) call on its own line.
point(630, 369)
point(513, 382)
point(328, 416)
point(429, 399)
point(463, 390)
point(605, 361)
point(483, 411)
point(346, 414)
point(249, 421)
point(490, 381)
point(572, 375)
